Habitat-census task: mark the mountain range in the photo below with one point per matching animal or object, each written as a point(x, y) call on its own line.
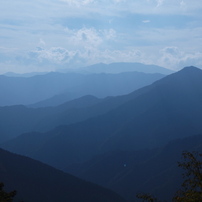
point(128, 143)
point(152, 116)
point(120, 67)
point(43, 119)
point(99, 85)
point(55, 88)
point(49, 113)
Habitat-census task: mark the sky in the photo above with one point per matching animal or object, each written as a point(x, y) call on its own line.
point(50, 35)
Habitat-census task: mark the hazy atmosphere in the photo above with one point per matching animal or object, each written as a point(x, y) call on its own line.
point(100, 101)
point(49, 35)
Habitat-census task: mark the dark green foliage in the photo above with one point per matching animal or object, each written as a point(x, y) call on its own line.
point(191, 190)
point(192, 186)
point(6, 196)
point(147, 197)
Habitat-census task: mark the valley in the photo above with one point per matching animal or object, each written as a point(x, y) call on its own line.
point(125, 143)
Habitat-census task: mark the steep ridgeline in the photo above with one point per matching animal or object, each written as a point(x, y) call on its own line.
point(35, 181)
point(55, 88)
point(169, 108)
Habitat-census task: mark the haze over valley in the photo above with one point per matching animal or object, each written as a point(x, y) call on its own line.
point(100, 101)
point(111, 135)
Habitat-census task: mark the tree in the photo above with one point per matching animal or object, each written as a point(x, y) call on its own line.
point(192, 185)
point(147, 197)
point(191, 190)
point(6, 196)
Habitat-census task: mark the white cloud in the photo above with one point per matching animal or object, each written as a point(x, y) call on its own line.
point(78, 2)
point(159, 2)
point(54, 58)
point(146, 21)
point(42, 43)
point(81, 32)
point(56, 55)
point(174, 57)
point(182, 4)
point(89, 38)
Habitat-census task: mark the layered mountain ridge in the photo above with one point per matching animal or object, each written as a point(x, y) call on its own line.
point(54, 88)
point(169, 108)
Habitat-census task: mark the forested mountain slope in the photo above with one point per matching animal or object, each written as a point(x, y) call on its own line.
point(153, 171)
point(35, 181)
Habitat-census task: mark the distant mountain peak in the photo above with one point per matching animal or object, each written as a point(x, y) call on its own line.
point(190, 69)
point(119, 67)
point(189, 73)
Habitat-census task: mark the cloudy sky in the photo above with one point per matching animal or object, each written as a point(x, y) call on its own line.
point(48, 35)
